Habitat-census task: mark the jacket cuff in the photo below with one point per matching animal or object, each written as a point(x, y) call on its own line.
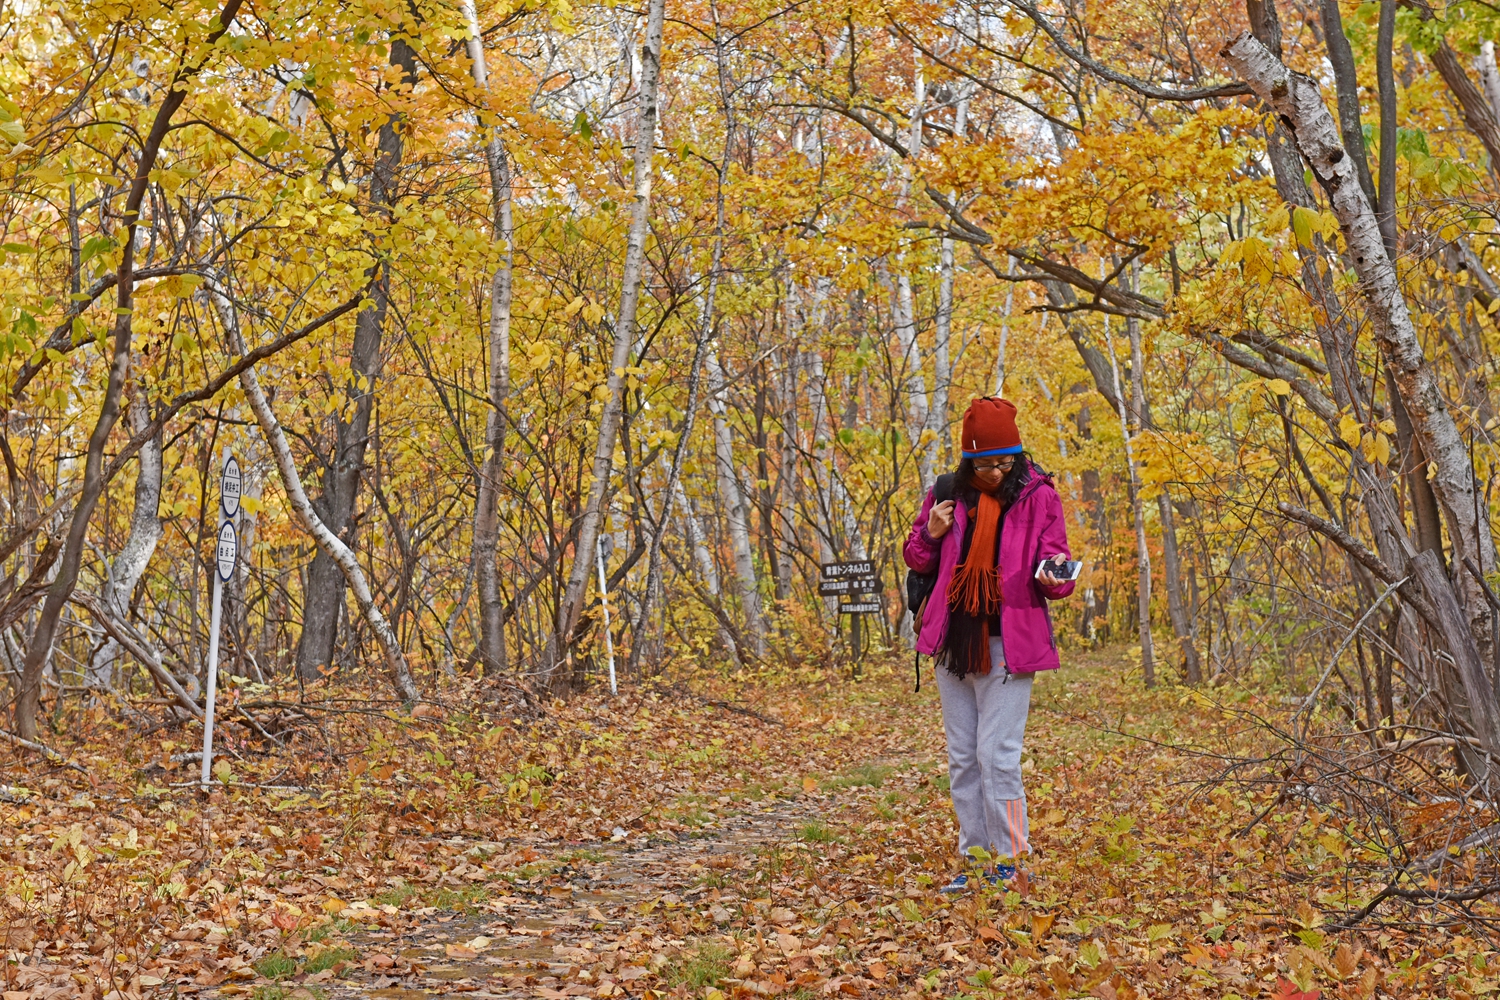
point(928, 539)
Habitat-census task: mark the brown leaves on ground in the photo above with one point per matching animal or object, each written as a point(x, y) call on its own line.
point(760, 840)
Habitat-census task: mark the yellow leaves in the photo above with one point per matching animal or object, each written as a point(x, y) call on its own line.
point(1349, 430)
point(1279, 386)
point(1374, 444)
point(1253, 256)
point(1307, 223)
point(1334, 843)
point(11, 129)
point(539, 355)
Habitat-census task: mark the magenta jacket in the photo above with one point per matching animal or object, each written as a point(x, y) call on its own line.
point(1034, 527)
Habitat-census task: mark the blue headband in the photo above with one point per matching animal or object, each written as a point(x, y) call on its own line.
point(1012, 450)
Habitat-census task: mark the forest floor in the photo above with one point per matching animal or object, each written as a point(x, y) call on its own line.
point(712, 838)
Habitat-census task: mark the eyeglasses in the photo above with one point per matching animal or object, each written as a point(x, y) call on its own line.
point(998, 465)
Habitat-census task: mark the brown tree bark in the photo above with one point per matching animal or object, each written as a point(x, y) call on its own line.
point(1478, 115)
point(325, 580)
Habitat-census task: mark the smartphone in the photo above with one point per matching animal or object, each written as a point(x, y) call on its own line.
point(1063, 569)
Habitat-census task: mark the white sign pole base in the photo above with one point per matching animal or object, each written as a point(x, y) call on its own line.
point(213, 682)
point(609, 642)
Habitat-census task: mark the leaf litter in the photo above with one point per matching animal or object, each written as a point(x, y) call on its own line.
point(767, 838)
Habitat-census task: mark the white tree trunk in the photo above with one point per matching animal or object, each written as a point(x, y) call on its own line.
point(736, 508)
point(787, 471)
point(1010, 293)
point(253, 484)
point(702, 557)
point(906, 321)
point(486, 531)
point(1143, 554)
point(330, 543)
point(609, 421)
point(938, 437)
point(1489, 75)
point(131, 561)
point(1296, 100)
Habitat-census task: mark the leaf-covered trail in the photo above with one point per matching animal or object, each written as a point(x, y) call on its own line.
point(549, 924)
point(670, 842)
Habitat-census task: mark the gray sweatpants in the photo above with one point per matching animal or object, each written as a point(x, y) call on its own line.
point(985, 719)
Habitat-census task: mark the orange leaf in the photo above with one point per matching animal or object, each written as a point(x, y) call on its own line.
point(989, 932)
point(1287, 990)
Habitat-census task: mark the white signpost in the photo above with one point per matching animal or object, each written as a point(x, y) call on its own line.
point(226, 555)
point(609, 642)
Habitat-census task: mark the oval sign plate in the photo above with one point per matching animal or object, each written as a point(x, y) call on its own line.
point(229, 487)
point(228, 551)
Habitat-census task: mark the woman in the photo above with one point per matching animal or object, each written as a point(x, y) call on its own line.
point(987, 622)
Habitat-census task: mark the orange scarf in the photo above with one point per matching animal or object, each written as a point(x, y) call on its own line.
point(974, 593)
point(975, 587)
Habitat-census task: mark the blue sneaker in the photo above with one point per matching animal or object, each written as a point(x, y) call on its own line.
point(1002, 873)
point(959, 884)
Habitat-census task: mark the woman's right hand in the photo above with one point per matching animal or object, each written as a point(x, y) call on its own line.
point(940, 519)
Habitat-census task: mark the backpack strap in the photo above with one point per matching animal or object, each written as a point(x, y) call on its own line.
point(943, 489)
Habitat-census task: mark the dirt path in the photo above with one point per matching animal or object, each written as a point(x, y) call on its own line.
point(532, 941)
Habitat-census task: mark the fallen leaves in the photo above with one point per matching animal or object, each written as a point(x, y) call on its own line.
point(787, 884)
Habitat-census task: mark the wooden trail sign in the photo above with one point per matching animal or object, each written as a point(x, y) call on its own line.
point(853, 579)
point(847, 570)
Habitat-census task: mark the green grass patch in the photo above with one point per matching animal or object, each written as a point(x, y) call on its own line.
point(695, 817)
point(276, 965)
point(327, 958)
point(815, 832)
point(862, 776)
point(285, 992)
point(397, 895)
point(529, 871)
point(465, 900)
point(706, 966)
point(585, 854)
point(337, 927)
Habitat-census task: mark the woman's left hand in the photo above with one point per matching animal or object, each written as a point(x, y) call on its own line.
point(1048, 578)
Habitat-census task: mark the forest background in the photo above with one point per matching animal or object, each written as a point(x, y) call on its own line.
point(493, 302)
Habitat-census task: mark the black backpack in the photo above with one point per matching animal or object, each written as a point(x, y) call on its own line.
point(919, 586)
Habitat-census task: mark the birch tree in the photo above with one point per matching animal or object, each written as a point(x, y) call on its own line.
point(486, 531)
point(571, 608)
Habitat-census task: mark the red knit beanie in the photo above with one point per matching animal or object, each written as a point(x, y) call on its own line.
point(990, 428)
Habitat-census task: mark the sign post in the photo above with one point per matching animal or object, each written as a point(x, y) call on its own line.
point(851, 582)
point(226, 555)
point(609, 642)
